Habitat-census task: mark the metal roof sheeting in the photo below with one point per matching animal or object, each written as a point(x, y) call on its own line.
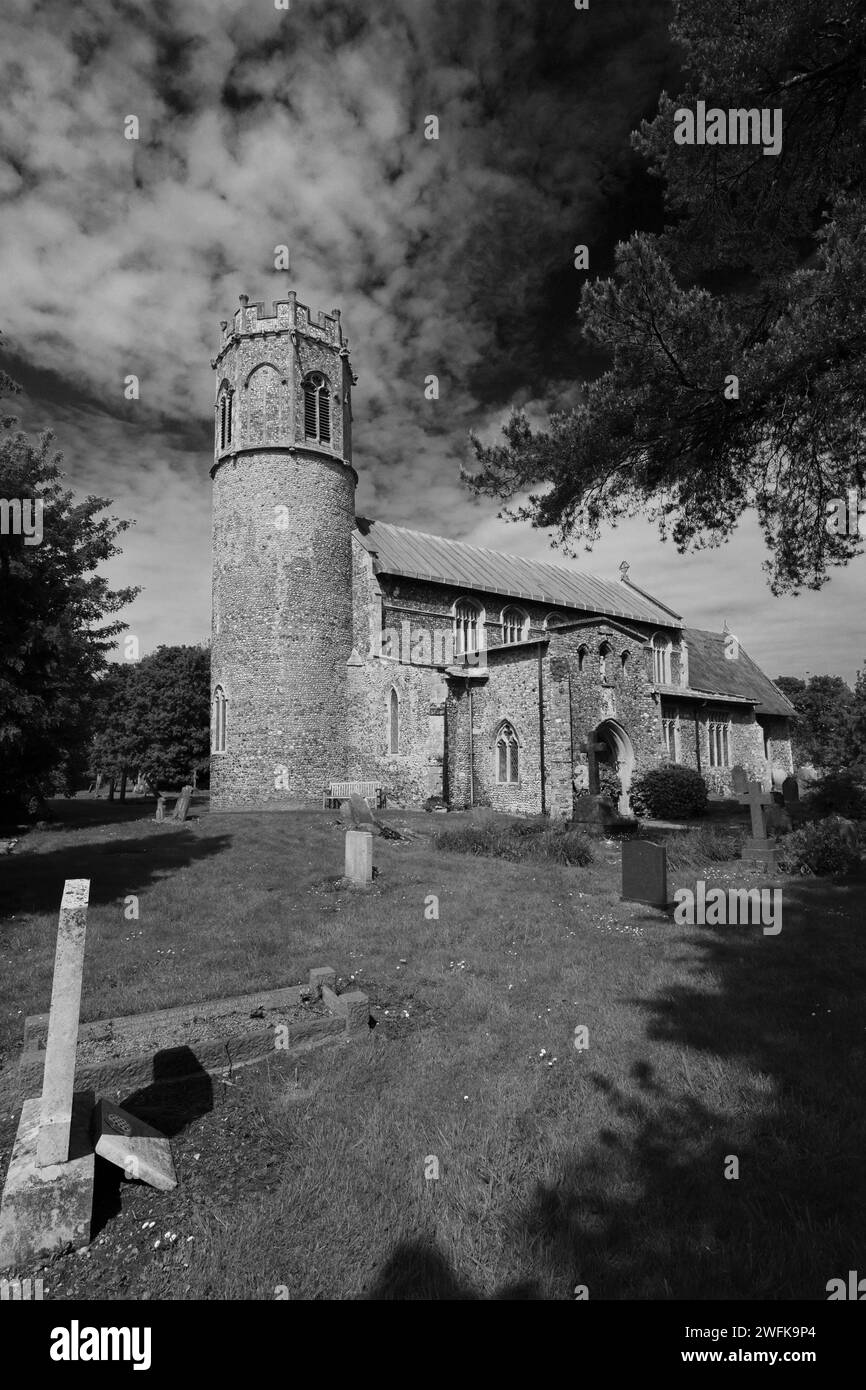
point(414, 555)
point(711, 672)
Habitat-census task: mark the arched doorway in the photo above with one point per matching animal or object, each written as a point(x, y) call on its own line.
point(620, 757)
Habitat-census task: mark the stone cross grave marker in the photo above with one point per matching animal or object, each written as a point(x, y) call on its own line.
point(759, 847)
point(181, 806)
point(62, 1042)
point(359, 857)
point(592, 751)
point(739, 780)
point(644, 873)
point(48, 1195)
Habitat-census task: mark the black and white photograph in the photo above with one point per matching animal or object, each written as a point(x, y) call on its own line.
point(433, 666)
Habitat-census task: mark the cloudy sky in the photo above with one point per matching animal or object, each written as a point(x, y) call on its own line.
point(305, 127)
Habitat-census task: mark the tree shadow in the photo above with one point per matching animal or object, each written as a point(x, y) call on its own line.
point(653, 1207)
point(33, 883)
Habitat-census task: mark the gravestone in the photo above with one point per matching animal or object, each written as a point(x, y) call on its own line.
point(160, 808)
point(181, 806)
point(758, 847)
point(644, 873)
point(143, 1153)
point(592, 751)
point(790, 790)
point(48, 1195)
point(739, 780)
point(62, 1041)
point(359, 857)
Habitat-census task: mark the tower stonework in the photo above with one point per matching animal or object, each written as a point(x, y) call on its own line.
point(283, 515)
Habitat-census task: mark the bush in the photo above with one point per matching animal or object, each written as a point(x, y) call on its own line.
point(528, 840)
point(823, 847)
point(838, 794)
point(671, 792)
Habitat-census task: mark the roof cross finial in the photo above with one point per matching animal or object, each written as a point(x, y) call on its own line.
point(623, 571)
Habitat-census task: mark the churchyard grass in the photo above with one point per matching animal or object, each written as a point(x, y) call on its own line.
point(558, 1167)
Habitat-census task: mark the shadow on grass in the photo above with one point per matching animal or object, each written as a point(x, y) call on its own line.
point(34, 883)
point(417, 1270)
point(647, 1211)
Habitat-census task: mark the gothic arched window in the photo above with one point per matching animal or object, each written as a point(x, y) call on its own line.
point(467, 627)
point(317, 408)
point(661, 649)
point(393, 722)
point(623, 661)
point(581, 658)
point(224, 417)
point(218, 721)
point(604, 652)
point(507, 755)
point(514, 625)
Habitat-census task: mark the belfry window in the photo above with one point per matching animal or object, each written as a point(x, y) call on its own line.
point(225, 419)
point(394, 722)
point(317, 408)
point(507, 755)
point(218, 721)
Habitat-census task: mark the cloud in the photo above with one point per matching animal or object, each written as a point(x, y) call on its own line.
point(261, 127)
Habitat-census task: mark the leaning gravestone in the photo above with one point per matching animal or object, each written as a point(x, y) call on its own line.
point(739, 780)
point(359, 857)
point(48, 1197)
point(181, 806)
point(644, 873)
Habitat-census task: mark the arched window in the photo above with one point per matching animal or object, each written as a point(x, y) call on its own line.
point(393, 722)
point(218, 721)
point(604, 652)
point(467, 627)
point(718, 736)
point(507, 756)
point(661, 648)
point(224, 423)
point(317, 408)
point(623, 661)
point(514, 623)
point(581, 658)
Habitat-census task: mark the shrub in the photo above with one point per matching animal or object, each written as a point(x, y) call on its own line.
point(671, 792)
point(823, 847)
point(838, 794)
point(528, 840)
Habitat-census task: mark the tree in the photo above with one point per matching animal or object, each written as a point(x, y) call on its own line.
point(54, 637)
point(154, 717)
point(736, 337)
point(823, 732)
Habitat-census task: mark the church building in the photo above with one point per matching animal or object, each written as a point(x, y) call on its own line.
point(349, 649)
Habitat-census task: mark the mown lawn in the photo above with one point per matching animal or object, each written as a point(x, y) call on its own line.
point(602, 1167)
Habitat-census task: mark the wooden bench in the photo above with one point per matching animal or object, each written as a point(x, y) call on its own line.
point(335, 792)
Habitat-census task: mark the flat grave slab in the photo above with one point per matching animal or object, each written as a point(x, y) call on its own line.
point(141, 1151)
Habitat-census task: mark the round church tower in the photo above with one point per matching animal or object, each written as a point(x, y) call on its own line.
point(283, 515)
